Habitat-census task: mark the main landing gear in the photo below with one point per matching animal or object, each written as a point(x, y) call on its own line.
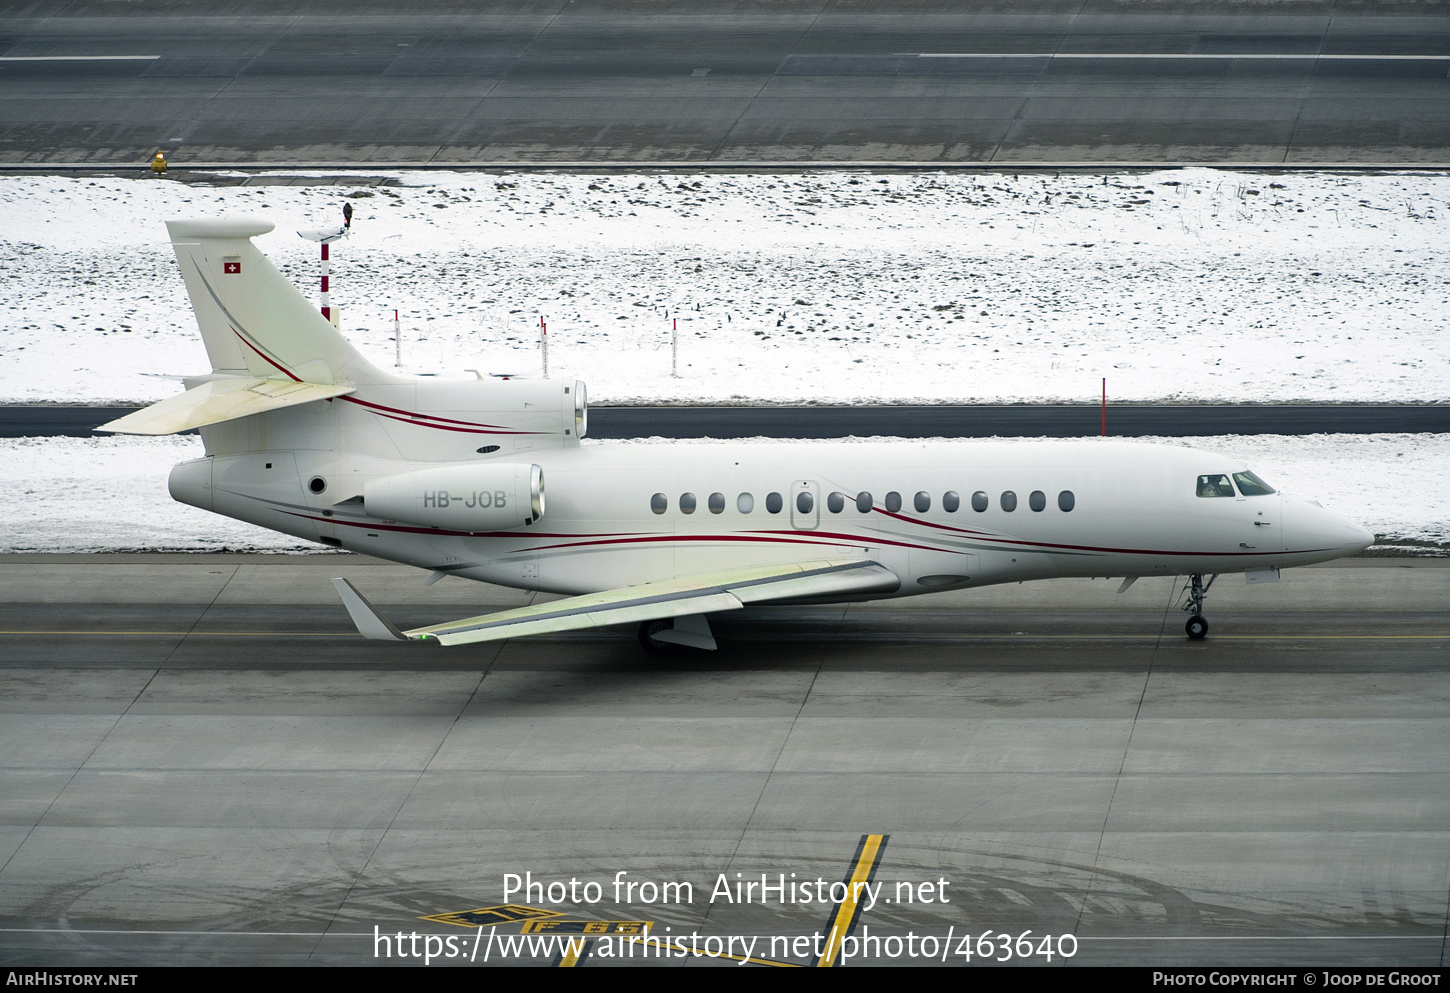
point(647, 640)
point(1197, 591)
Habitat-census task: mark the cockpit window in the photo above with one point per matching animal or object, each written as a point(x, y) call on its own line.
point(1216, 485)
point(1251, 485)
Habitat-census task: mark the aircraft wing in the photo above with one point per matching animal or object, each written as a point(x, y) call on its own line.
point(220, 400)
point(700, 594)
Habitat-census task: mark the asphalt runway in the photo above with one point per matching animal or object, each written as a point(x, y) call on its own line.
point(943, 421)
point(200, 762)
point(444, 82)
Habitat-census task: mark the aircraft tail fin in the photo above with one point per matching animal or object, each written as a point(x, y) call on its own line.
point(254, 322)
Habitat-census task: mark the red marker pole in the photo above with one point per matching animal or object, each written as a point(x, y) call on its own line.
point(397, 341)
point(1105, 407)
point(544, 344)
point(675, 348)
point(326, 309)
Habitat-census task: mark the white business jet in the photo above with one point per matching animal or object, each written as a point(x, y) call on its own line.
point(305, 436)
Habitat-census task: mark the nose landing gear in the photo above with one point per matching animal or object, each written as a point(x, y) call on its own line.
point(1197, 591)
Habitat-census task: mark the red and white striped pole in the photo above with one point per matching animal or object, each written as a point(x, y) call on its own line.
point(544, 343)
point(397, 340)
point(675, 348)
point(326, 265)
point(325, 236)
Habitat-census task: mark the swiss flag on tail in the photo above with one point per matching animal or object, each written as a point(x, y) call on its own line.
point(232, 268)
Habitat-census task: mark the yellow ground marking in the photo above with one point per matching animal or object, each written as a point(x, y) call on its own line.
point(506, 913)
point(749, 960)
point(872, 846)
point(561, 925)
point(573, 952)
point(677, 944)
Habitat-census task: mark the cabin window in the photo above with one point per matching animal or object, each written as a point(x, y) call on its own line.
point(1066, 501)
point(804, 502)
point(1037, 500)
point(950, 502)
point(922, 502)
point(687, 503)
point(836, 502)
point(1251, 485)
point(717, 503)
point(1215, 485)
point(745, 503)
point(1009, 501)
point(893, 502)
point(774, 502)
point(863, 502)
point(979, 501)
point(659, 503)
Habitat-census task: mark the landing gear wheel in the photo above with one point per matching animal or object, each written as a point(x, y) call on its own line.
point(647, 631)
point(1197, 591)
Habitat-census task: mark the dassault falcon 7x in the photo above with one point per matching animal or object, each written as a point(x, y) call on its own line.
point(304, 435)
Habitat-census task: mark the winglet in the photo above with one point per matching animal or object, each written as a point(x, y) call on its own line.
point(370, 624)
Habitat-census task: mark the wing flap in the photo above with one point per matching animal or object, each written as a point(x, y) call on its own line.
point(629, 613)
point(220, 400)
point(701, 594)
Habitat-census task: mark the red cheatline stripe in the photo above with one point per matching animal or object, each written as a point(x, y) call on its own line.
point(983, 536)
point(782, 537)
point(406, 416)
point(1017, 542)
point(605, 539)
point(264, 356)
point(913, 520)
point(795, 538)
point(440, 531)
point(409, 419)
point(408, 413)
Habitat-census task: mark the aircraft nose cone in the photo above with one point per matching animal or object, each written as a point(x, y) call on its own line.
point(1357, 538)
point(1327, 535)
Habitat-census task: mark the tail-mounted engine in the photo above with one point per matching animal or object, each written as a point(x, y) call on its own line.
point(487, 497)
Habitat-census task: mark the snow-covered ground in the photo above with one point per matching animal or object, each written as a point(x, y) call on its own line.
point(104, 494)
point(844, 286)
point(839, 286)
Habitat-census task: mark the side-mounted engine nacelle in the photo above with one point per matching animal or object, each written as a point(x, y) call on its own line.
point(461, 497)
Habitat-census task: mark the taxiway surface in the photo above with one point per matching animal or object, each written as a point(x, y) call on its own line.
point(899, 421)
point(203, 763)
point(793, 81)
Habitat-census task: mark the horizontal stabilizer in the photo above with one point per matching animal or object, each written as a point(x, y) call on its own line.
point(681, 597)
point(220, 400)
